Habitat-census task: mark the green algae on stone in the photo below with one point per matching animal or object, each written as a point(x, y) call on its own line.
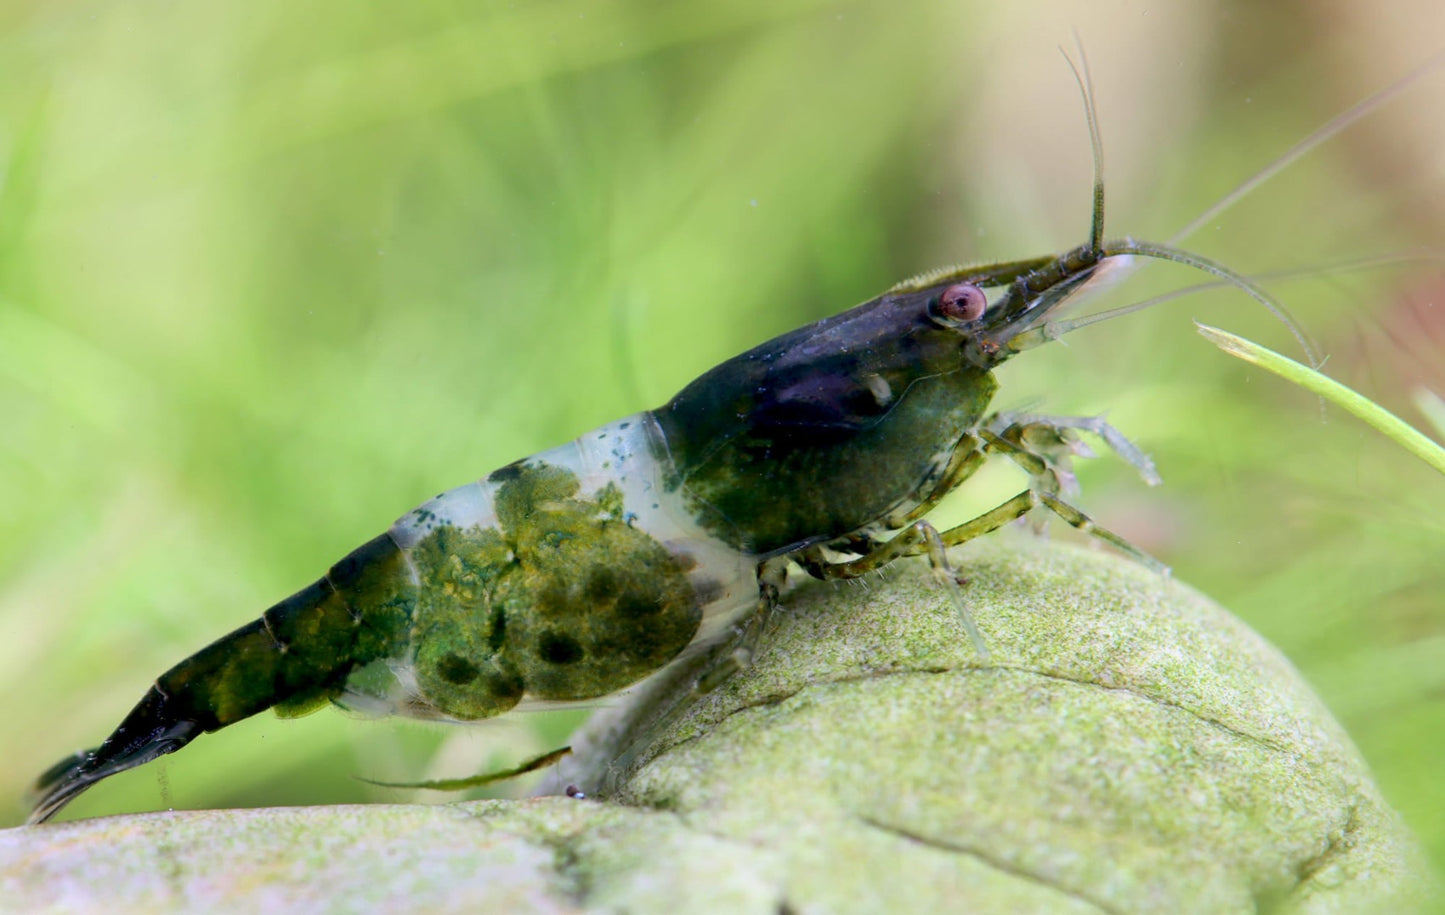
point(1128, 746)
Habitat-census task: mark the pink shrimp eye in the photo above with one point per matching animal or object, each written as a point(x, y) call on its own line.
point(962, 302)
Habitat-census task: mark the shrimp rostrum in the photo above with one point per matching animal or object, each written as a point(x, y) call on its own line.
point(577, 572)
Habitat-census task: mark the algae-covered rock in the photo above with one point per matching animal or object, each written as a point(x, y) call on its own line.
point(1127, 746)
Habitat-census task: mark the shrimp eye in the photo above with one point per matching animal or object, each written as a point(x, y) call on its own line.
point(962, 302)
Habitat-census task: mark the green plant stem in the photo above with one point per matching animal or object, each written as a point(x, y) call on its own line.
point(1416, 442)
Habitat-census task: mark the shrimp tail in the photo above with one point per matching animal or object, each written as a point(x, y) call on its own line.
point(152, 729)
point(295, 658)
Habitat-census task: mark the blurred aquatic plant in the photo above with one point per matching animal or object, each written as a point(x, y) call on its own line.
point(1314, 381)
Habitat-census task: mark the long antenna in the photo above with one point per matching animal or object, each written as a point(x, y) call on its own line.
point(1332, 127)
point(1059, 328)
point(1204, 264)
point(1033, 332)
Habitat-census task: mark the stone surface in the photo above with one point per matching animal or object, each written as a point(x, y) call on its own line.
point(1127, 746)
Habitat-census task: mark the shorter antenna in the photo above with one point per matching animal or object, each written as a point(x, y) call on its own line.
point(1091, 113)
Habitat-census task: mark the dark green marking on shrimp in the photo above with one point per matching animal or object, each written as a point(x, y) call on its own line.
point(577, 603)
point(566, 601)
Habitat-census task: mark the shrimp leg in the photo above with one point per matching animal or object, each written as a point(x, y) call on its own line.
point(704, 673)
point(1042, 446)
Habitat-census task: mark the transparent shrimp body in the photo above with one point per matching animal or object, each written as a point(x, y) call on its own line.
point(563, 577)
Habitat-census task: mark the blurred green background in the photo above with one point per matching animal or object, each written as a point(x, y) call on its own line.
point(273, 273)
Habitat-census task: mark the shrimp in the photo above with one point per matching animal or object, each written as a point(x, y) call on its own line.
point(578, 572)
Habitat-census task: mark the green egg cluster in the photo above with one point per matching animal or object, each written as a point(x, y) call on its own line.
point(564, 600)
